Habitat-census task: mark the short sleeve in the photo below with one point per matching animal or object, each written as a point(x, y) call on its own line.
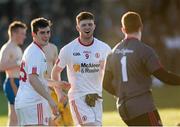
point(34, 65)
point(63, 57)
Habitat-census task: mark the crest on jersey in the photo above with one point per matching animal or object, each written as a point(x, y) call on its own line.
point(84, 118)
point(97, 55)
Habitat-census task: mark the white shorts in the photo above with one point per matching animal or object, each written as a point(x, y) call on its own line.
point(82, 113)
point(38, 114)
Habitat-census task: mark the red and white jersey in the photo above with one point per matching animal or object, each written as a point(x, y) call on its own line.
point(33, 62)
point(85, 66)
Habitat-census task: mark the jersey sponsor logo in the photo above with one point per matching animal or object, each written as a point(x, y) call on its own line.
point(76, 67)
point(86, 68)
point(76, 54)
point(123, 51)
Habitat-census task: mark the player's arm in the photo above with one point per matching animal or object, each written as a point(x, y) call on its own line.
point(107, 82)
point(39, 87)
point(167, 77)
point(7, 61)
point(56, 75)
point(108, 76)
point(59, 84)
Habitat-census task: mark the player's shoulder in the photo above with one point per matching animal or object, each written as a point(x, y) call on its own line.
point(52, 46)
point(102, 43)
point(7, 47)
point(33, 51)
point(145, 47)
point(71, 44)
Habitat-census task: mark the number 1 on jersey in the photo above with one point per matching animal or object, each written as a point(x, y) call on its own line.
point(124, 69)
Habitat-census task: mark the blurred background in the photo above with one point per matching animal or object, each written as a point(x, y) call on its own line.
point(161, 19)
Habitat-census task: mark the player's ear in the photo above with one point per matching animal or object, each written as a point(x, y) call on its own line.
point(77, 28)
point(33, 34)
point(123, 29)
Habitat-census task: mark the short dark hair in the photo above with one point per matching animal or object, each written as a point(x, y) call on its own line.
point(83, 16)
point(131, 21)
point(14, 26)
point(39, 23)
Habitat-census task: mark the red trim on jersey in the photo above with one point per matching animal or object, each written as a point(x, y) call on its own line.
point(38, 45)
point(85, 44)
point(76, 112)
point(57, 61)
point(34, 70)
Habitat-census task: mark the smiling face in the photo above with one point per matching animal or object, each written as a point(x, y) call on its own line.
point(42, 36)
point(86, 28)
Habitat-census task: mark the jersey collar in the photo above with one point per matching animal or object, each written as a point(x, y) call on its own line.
point(38, 45)
point(131, 38)
point(84, 44)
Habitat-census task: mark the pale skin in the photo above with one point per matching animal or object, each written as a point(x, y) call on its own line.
point(86, 29)
point(51, 53)
point(10, 57)
point(42, 38)
point(129, 35)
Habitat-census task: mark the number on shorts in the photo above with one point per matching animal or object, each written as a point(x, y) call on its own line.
point(124, 69)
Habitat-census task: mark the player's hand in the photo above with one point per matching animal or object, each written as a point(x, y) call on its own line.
point(65, 85)
point(62, 97)
point(54, 108)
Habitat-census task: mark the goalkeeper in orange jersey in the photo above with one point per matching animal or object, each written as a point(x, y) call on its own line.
point(65, 118)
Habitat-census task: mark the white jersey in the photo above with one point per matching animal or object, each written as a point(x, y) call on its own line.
point(33, 62)
point(85, 66)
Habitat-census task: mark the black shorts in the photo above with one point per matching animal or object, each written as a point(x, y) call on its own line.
point(147, 119)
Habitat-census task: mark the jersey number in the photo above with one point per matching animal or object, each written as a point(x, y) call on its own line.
point(23, 75)
point(124, 69)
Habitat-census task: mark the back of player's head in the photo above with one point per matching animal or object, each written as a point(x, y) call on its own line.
point(14, 26)
point(83, 16)
point(131, 22)
point(39, 23)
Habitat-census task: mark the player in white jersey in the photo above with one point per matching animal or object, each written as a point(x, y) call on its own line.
point(33, 102)
point(85, 59)
point(10, 57)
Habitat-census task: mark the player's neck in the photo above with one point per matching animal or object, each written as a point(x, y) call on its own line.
point(12, 40)
point(85, 41)
point(134, 35)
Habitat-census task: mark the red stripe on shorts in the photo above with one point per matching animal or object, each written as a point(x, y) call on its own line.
point(76, 112)
point(40, 114)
